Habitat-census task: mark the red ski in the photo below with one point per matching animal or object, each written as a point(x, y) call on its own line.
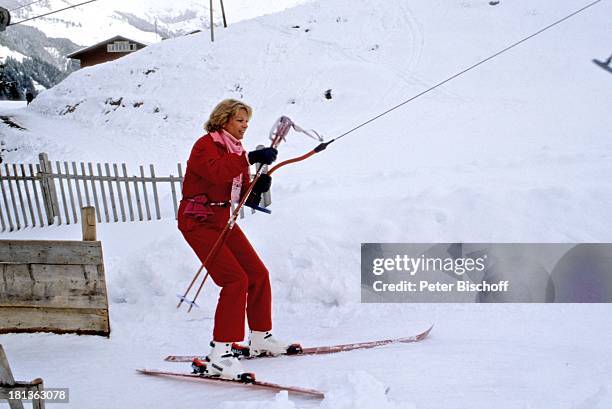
point(313, 393)
point(332, 349)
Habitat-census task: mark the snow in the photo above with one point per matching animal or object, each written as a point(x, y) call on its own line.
point(6, 52)
point(11, 105)
point(38, 87)
point(54, 52)
point(517, 150)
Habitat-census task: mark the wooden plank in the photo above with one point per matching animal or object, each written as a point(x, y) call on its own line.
point(144, 193)
point(41, 222)
point(119, 193)
point(52, 285)
point(44, 192)
point(111, 192)
point(158, 179)
point(27, 192)
point(34, 386)
point(94, 192)
point(103, 193)
point(12, 193)
point(38, 403)
point(6, 378)
point(180, 179)
point(48, 188)
point(88, 223)
point(17, 386)
point(2, 222)
point(127, 191)
point(180, 175)
point(50, 252)
point(21, 202)
point(8, 214)
point(155, 196)
point(85, 188)
point(89, 321)
point(70, 193)
point(174, 200)
point(63, 193)
point(138, 201)
point(76, 184)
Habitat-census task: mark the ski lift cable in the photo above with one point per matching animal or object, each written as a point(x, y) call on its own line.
point(467, 69)
point(53, 12)
point(25, 5)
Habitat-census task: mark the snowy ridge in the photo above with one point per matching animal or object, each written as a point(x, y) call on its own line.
point(6, 52)
point(516, 151)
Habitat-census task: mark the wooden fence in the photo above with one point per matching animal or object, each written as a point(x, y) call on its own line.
point(8, 385)
point(53, 192)
point(49, 193)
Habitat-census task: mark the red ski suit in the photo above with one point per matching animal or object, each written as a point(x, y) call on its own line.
point(236, 268)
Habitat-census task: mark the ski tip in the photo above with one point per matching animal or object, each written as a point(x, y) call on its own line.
point(425, 333)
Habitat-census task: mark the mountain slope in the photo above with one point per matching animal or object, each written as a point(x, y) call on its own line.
point(33, 61)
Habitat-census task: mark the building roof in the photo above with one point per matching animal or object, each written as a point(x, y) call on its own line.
point(77, 53)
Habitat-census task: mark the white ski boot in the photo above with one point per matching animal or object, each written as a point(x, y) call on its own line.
point(263, 343)
point(222, 362)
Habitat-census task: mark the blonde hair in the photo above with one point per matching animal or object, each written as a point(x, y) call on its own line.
point(223, 112)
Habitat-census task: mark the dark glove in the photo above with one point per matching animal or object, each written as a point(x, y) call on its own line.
point(263, 184)
point(265, 156)
point(253, 200)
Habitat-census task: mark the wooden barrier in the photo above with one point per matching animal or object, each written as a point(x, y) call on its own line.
point(8, 384)
point(53, 286)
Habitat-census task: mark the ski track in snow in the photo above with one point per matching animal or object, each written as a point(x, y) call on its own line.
point(515, 151)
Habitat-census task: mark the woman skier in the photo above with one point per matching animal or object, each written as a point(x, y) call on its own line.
point(218, 174)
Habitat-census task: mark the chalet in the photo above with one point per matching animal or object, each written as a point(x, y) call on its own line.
point(106, 50)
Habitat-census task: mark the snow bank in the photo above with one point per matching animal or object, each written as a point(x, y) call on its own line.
point(360, 390)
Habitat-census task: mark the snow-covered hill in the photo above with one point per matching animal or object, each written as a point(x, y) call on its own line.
point(50, 38)
point(516, 150)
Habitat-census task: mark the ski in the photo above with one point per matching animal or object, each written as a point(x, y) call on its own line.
point(331, 349)
point(254, 384)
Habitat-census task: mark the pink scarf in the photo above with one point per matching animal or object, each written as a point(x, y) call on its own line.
point(233, 145)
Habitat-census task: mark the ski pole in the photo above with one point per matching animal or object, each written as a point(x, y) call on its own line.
point(184, 296)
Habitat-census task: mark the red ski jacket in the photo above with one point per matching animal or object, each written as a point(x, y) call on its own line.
point(210, 171)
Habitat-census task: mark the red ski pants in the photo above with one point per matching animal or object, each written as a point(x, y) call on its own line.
point(244, 282)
